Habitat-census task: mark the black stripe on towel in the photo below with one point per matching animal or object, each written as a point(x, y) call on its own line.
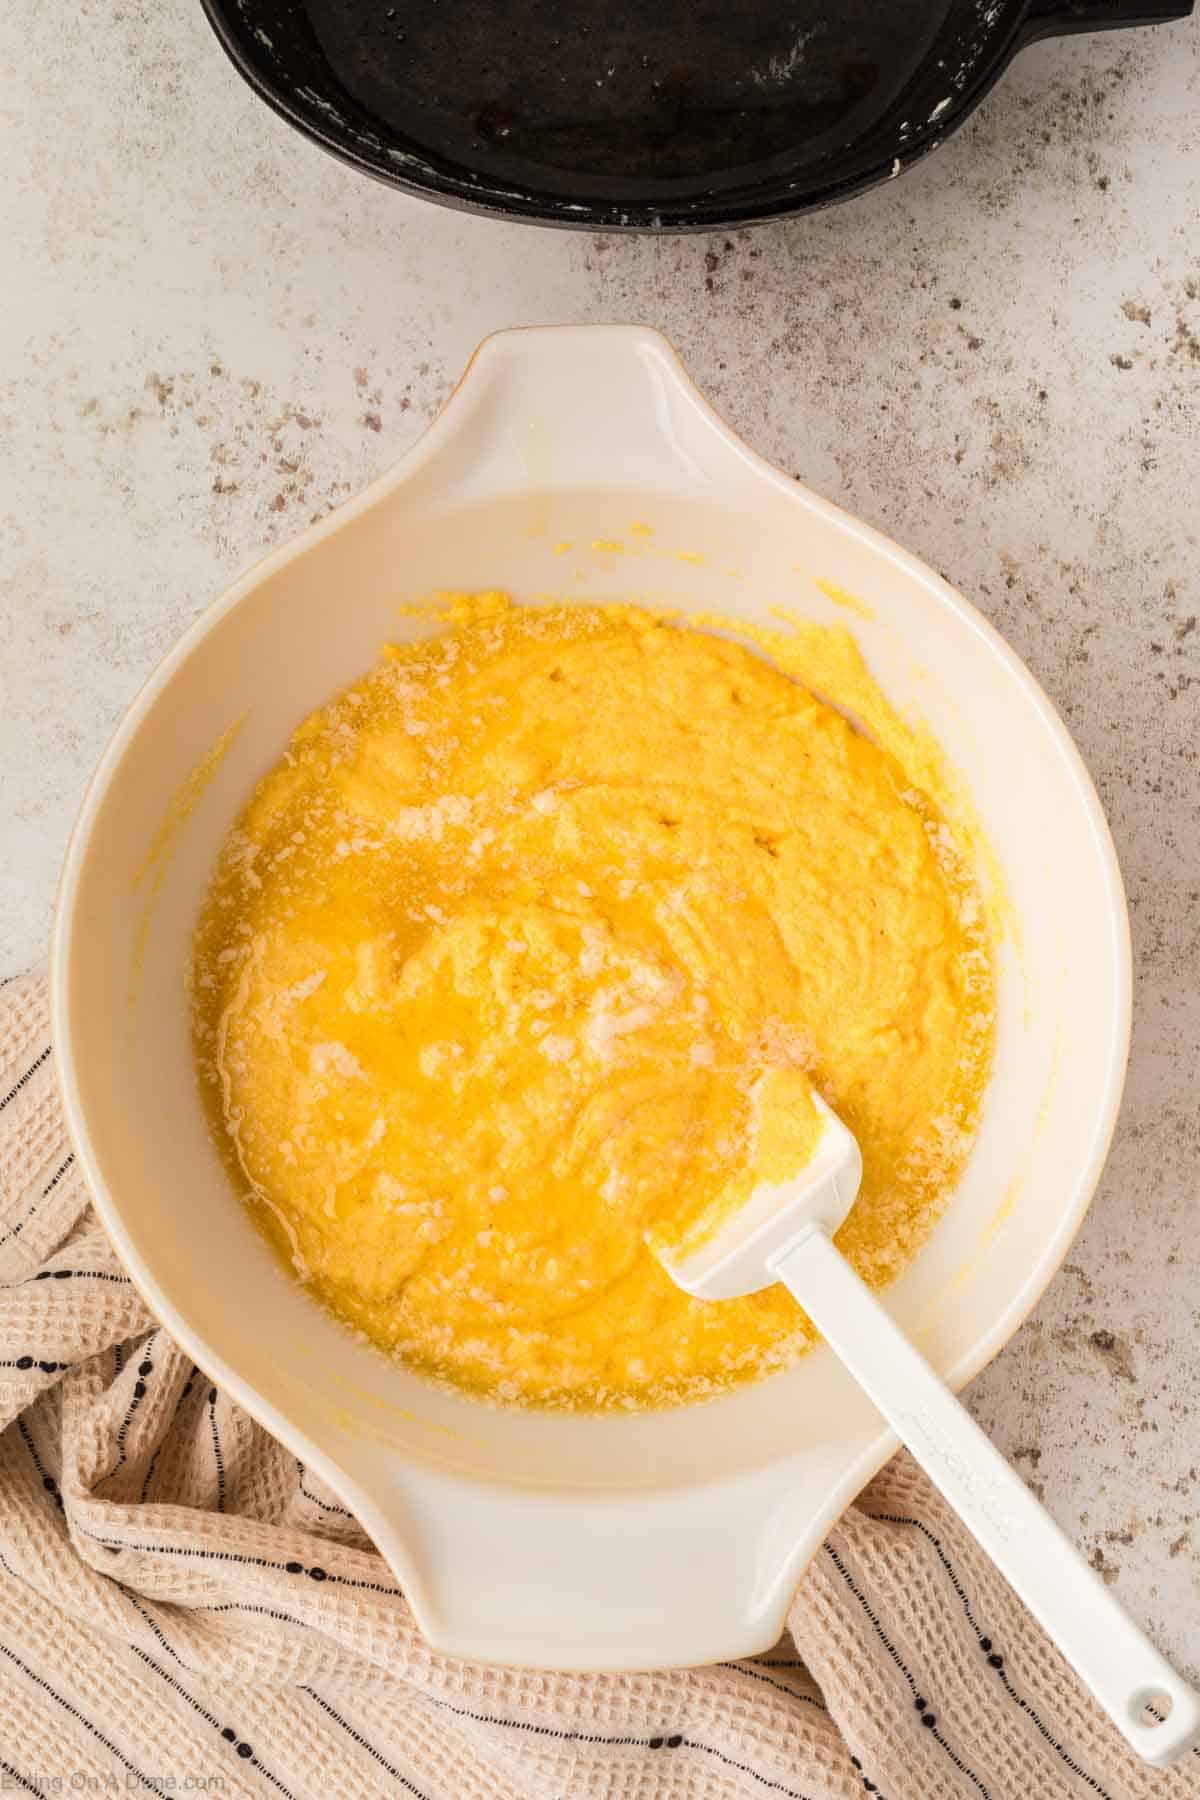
point(251, 1562)
point(756, 1674)
point(146, 1780)
point(360, 1740)
point(158, 1632)
point(77, 1275)
point(47, 1480)
point(996, 1662)
point(664, 1741)
point(184, 1392)
point(323, 1504)
point(230, 1736)
point(928, 1717)
point(6, 1769)
point(49, 1188)
point(216, 1443)
point(266, 1612)
point(145, 1367)
point(30, 1072)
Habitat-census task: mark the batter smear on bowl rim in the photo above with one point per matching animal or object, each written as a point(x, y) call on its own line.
point(527, 951)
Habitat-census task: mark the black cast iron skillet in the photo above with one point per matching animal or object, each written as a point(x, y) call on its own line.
point(670, 115)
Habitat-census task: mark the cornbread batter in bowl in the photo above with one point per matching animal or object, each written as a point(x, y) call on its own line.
point(526, 953)
point(551, 1535)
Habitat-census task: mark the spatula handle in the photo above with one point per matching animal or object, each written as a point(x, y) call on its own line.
point(1107, 1650)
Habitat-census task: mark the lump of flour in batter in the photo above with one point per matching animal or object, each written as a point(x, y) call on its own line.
point(511, 960)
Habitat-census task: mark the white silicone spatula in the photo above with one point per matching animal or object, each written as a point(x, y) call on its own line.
point(785, 1233)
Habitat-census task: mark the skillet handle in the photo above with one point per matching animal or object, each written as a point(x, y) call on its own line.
point(1062, 18)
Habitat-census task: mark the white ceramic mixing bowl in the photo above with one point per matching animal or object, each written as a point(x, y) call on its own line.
point(615, 1542)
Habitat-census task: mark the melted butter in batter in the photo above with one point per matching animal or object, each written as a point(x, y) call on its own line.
point(528, 950)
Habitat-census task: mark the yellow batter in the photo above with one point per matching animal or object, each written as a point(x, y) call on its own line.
point(527, 950)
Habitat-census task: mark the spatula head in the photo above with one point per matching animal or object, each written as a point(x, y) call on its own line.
point(737, 1258)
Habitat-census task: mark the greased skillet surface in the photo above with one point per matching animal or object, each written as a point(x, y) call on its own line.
point(672, 117)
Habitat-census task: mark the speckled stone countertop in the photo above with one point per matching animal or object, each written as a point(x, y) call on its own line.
point(210, 333)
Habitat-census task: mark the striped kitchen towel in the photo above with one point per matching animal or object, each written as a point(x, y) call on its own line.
point(184, 1608)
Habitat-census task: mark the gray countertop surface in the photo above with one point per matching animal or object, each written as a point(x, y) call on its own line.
point(211, 333)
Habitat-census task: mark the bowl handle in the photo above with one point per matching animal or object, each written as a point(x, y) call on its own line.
point(541, 1579)
point(549, 409)
point(1061, 18)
